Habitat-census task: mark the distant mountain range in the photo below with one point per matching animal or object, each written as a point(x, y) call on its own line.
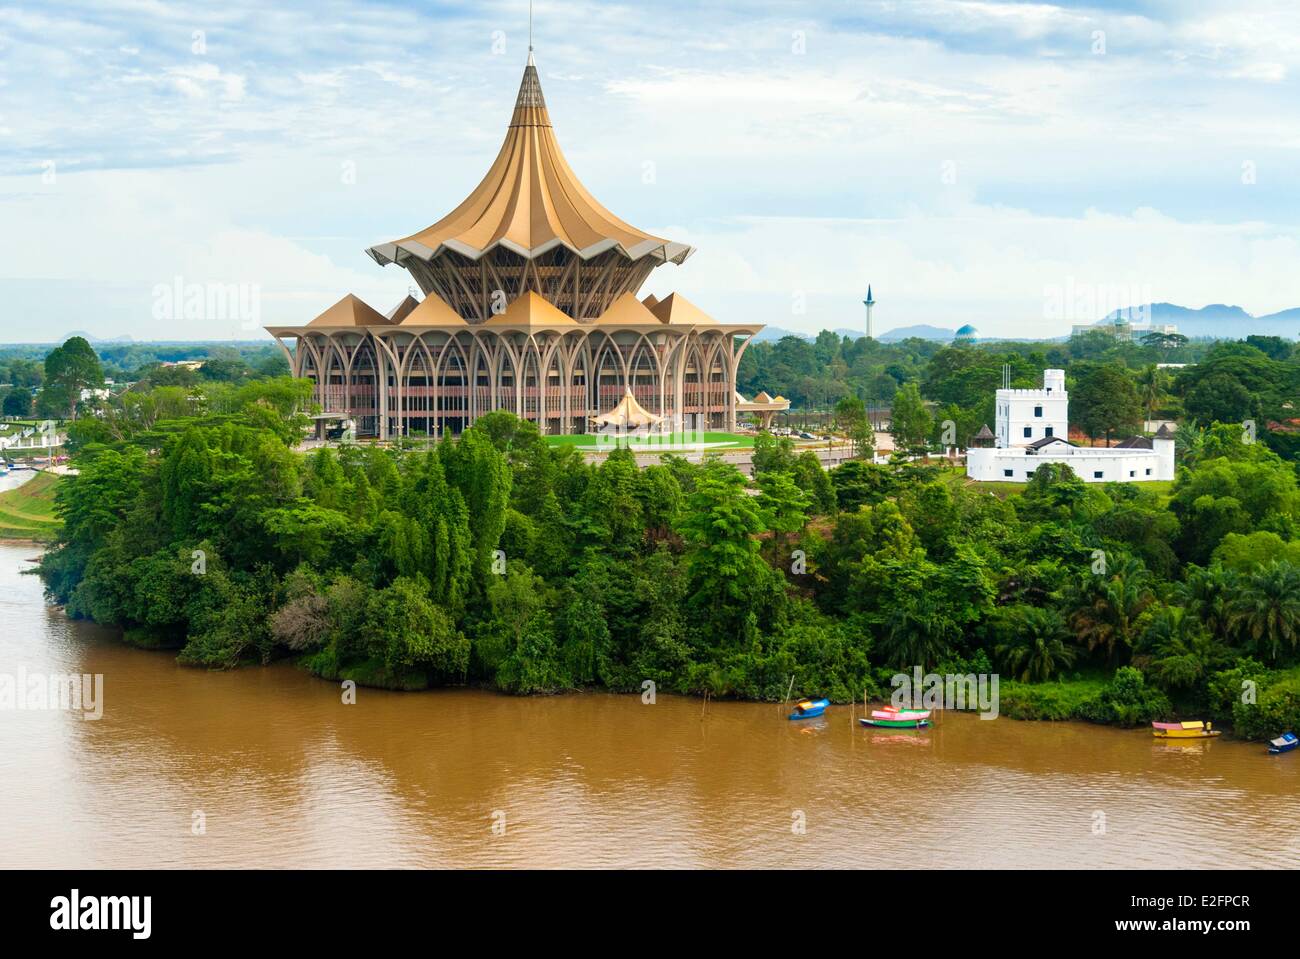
point(1219, 320)
point(92, 338)
point(922, 331)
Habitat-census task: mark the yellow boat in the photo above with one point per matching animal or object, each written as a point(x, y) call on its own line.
point(1190, 730)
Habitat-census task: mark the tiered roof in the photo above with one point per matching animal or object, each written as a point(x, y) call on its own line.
point(530, 201)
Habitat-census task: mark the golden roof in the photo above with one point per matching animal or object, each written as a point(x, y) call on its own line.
point(627, 310)
point(678, 310)
point(402, 310)
point(350, 311)
point(530, 202)
point(434, 311)
point(533, 312)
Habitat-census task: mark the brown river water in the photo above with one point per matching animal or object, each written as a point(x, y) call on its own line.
point(277, 772)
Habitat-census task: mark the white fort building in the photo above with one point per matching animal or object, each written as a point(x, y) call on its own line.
point(1033, 427)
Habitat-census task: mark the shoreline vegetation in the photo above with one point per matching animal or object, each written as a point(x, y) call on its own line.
point(500, 560)
point(27, 511)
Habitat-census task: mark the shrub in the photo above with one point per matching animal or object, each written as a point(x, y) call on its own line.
point(1127, 700)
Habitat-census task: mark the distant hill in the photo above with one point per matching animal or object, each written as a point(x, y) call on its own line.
point(921, 331)
point(92, 338)
point(774, 333)
point(1221, 321)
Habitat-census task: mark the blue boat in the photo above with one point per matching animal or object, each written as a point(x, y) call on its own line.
point(808, 708)
point(1284, 743)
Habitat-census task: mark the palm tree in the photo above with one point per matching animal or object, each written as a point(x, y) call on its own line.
point(919, 633)
point(1180, 651)
point(1036, 649)
point(1265, 612)
point(1190, 444)
point(1107, 607)
point(1208, 591)
point(1152, 385)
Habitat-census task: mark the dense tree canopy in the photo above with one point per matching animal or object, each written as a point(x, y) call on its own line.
point(495, 558)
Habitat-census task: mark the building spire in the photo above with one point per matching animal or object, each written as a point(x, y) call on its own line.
point(530, 105)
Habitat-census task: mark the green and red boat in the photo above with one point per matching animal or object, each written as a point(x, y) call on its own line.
point(891, 717)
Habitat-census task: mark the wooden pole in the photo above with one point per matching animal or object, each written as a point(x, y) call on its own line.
point(788, 691)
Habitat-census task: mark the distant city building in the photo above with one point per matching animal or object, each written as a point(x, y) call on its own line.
point(1123, 330)
point(967, 334)
point(1033, 427)
point(530, 305)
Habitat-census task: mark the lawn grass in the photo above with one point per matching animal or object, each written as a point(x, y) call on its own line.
point(27, 512)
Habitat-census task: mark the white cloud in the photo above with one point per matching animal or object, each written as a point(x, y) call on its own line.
point(816, 171)
point(995, 267)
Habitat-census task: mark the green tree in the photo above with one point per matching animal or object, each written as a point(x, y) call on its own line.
point(1033, 643)
point(1265, 614)
point(783, 507)
point(1108, 607)
point(1153, 389)
point(910, 421)
point(69, 369)
point(409, 632)
point(1221, 398)
point(17, 403)
point(1104, 401)
point(730, 587)
point(851, 418)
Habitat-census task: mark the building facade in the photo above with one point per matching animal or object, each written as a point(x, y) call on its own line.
point(529, 305)
point(1024, 416)
point(1033, 428)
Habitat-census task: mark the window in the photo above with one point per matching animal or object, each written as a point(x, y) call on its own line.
point(1132, 472)
point(1029, 431)
point(1038, 411)
point(1006, 473)
point(1049, 431)
point(1029, 474)
point(1096, 474)
point(1148, 472)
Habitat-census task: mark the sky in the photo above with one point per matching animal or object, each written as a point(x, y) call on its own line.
point(1016, 166)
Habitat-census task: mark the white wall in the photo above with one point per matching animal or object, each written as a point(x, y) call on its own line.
point(1114, 466)
point(1024, 416)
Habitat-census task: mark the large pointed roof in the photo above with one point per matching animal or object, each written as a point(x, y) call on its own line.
point(675, 309)
point(434, 311)
point(532, 312)
point(530, 202)
point(350, 311)
point(627, 310)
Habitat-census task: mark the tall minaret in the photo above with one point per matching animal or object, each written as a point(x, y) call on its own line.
point(869, 303)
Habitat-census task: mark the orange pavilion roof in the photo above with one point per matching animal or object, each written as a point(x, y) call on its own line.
point(350, 311)
point(530, 201)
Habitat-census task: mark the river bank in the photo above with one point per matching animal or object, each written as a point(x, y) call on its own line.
point(27, 507)
point(270, 768)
